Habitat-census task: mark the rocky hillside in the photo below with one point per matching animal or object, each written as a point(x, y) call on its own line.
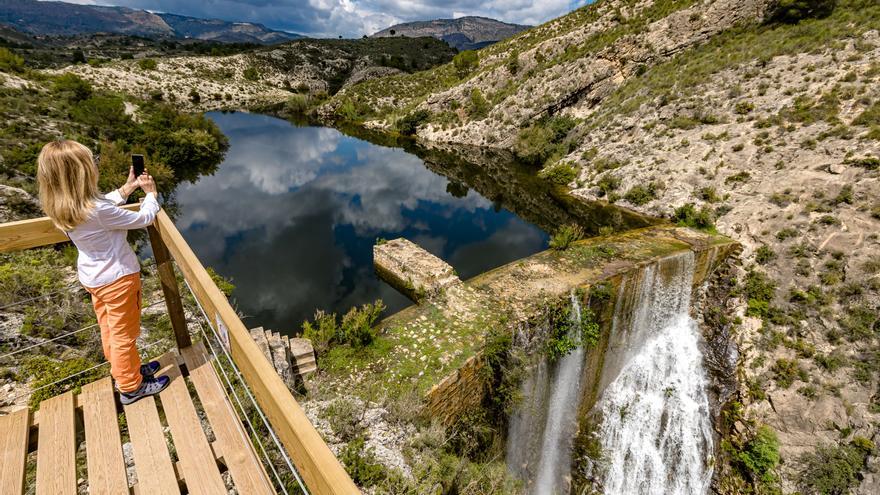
point(61, 18)
point(305, 70)
point(463, 33)
point(758, 118)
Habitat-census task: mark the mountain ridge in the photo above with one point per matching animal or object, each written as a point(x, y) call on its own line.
point(463, 33)
point(66, 19)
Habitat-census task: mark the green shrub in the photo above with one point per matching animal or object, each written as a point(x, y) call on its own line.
point(356, 328)
point(361, 464)
point(251, 74)
point(480, 107)
point(834, 469)
point(409, 124)
point(75, 88)
point(194, 96)
point(10, 62)
point(465, 63)
point(794, 11)
point(759, 291)
point(344, 418)
point(760, 455)
point(708, 194)
point(607, 184)
point(147, 64)
point(687, 215)
point(764, 254)
point(868, 162)
point(744, 107)
point(543, 141)
point(565, 236)
point(45, 371)
point(643, 194)
point(321, 332)
point(786, 371)
point(561, 173)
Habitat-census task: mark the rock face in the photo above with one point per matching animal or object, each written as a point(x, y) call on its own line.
point(463, 33)
point(293, 358)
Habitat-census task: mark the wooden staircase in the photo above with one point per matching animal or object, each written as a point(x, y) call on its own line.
point(293, 357)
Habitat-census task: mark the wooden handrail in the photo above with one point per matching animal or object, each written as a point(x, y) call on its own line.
point(319, 468)
point(26, 234)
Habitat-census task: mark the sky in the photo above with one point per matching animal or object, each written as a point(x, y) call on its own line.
point(350, 18)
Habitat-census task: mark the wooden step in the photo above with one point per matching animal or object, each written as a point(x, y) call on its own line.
point(56, 455)
point(13, 450)
point(106, 466)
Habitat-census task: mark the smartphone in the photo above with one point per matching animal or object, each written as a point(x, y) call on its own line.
point(137, 161)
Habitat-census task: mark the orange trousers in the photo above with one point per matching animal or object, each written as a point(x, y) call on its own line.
point(118, 308)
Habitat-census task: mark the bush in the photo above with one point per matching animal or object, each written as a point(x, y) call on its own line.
point(147, 64)
point(409, 124)
point(565, 236)
point(251, 74)
point(786, 371)
point(355, 329)
point(764, 254)
point(543, 141)
point(834, 469)
point(794, 11)
point(480, 107)
point(607, 184)
point(75, 88)
point(344, 419)
point(45, 371)
point(194, 96)
point(759, 291)
point(640, 195)
point(761, 455)
point(10, 62)
point(465, 62)
point(361, 464)
point(561, 173)
point(687, 215)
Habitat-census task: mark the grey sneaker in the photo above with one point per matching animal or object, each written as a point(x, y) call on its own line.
point(150, 368)
point(149, 386)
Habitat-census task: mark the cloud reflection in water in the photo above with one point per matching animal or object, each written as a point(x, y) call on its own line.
point(293, 212)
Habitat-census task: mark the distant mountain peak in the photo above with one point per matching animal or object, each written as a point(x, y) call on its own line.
point(464, 33)
point(66, 19)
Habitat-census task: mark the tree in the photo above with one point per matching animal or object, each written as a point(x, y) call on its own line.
point(79, 57)
point(793, 11)
point(10, 62)
point(393, 32)
point(74, 87)
point(465, 62)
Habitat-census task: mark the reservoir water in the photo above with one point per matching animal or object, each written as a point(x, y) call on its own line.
point(292, 214)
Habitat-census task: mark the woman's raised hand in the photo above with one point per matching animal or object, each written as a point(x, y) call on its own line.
point(146, 182)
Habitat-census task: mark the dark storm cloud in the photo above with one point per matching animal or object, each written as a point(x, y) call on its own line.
point(351, 18)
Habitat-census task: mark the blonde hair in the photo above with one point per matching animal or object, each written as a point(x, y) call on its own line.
point(68, 180)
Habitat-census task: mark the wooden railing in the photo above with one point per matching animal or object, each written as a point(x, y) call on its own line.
point(318, 467)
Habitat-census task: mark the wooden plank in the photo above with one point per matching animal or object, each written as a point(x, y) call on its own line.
point(170, 289)
point(56, 453)
point(152, 462)
point(319, 468)
point(36, 232)
point(13, 450)
point(232, 441)
point(106, 466)
point(200, 472)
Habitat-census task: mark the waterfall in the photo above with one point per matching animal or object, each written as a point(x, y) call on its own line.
point(541, 434)
point(656, 432)
point(561, 414)
point(652, 415)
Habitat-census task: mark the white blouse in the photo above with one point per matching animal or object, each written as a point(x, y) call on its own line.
point(104, 253)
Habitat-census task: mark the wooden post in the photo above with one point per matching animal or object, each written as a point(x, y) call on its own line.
point(169, 288)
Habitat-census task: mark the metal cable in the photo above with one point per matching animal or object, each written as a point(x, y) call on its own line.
point(68, 377)
point(16, 303)
point(247, 390)
point(243, 412)
point(68, 334)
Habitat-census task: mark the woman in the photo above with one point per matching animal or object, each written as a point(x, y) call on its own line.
point(107, 266)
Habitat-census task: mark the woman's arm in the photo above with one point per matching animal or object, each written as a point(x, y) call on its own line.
point(120, 195)
point(115, 218)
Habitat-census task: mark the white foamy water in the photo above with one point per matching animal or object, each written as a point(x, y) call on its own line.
point(561, 414)
point(656, 431)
